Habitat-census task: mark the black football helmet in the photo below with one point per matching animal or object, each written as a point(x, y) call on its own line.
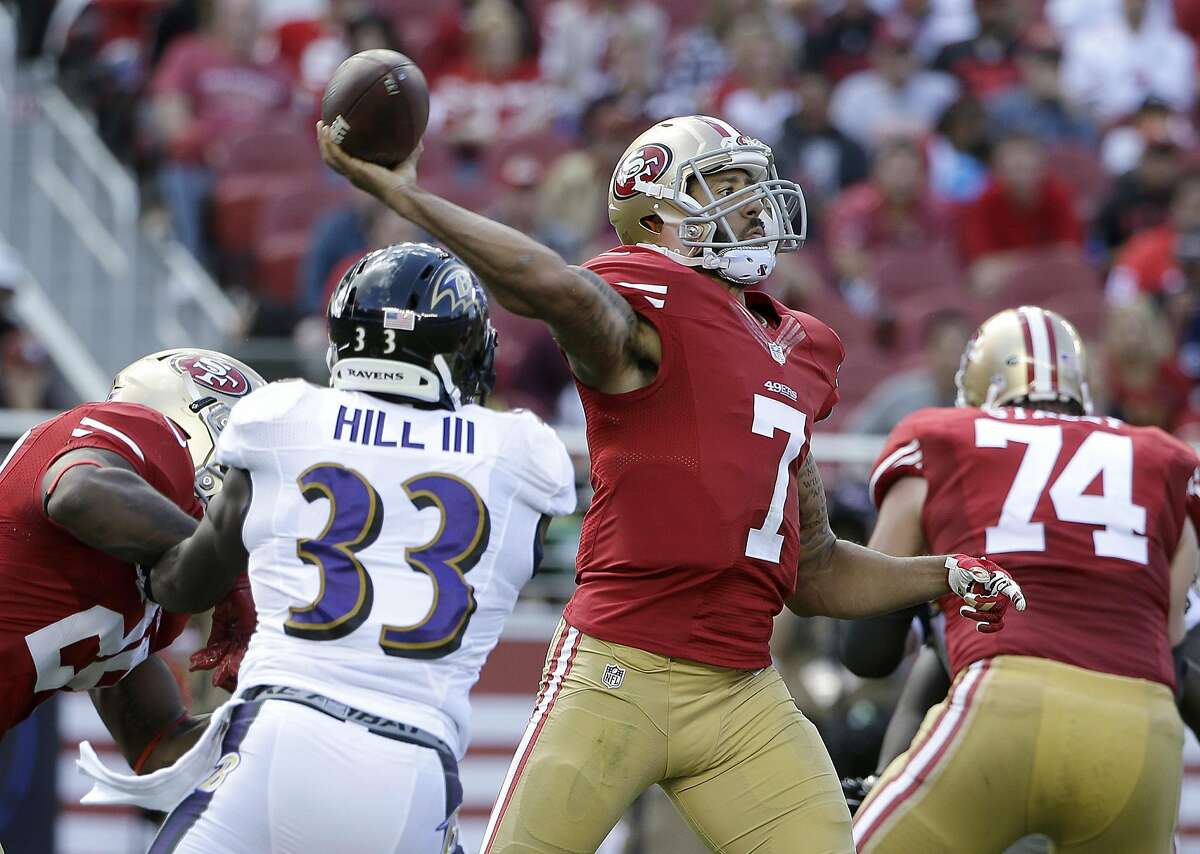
point(412, 320)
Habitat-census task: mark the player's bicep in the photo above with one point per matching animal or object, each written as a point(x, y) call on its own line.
point(609, 346)
point(898, 529)
point(64, 475)
point(1183, 573)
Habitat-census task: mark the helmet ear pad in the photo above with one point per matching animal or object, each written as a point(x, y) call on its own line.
point(412, 321)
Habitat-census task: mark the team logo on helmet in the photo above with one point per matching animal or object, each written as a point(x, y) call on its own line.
point(214, 374)
point(645, 164)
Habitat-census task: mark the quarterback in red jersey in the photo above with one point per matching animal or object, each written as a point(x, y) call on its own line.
point(86, 496)
point(708, 516)
point(1092, 516)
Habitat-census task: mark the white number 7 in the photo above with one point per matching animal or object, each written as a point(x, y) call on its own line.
point(766, 543)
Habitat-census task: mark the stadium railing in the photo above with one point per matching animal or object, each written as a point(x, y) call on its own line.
point(72, 218)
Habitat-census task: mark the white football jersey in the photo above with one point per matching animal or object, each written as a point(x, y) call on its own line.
point(388, 543)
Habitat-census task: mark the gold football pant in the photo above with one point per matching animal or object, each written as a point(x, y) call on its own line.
point(744, 767)
point(1027, 745)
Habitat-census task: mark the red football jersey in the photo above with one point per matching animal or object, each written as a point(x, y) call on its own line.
point(1085, 512)
point(71, 617)
point(690, 545)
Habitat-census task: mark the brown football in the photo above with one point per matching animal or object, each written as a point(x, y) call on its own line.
point(377, 106)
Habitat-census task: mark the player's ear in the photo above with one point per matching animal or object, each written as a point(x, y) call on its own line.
point(653, 222)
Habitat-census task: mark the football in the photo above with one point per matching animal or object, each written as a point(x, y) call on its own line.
point(377, 105)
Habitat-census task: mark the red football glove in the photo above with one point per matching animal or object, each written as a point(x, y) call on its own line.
point(985, 588)
point(233, 621)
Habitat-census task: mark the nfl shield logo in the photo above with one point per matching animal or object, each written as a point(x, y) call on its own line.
point(614, 675)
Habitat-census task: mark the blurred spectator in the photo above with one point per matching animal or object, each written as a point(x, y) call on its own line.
point(1146, 265)
point(1154, 123)
point(1141, 198)
point(894, 209)
point(958, 151)
point(840, 45)
point(516, 203)
point(25, 370)
point(1037, 105)
point(698, 59)
point(815, 153)
point(573, 203)
point(937, 22)
point(894, 96)
point(1022, 208)
point(334, 236)
point(757, 96)
point(944, 336)
point(206, 85)
point(1112, 67)
point(1144, 382)
point(577, 37)
point(986, 64)
point(1071, 17)
point(496, 89)
point(347, 29)
point(1183, 306)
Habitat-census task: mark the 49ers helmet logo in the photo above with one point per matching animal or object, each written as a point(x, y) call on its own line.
point(214, 374)
point(646, 164)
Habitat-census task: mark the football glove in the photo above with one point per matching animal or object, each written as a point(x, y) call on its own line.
point(985, 588)
point(856, 789)
point(233, 621)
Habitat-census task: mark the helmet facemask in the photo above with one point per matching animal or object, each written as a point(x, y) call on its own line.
point(704, 227)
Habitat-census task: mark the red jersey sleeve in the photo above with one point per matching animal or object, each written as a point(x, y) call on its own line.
point(829, 353)
point(902, 456)
point(149, 441)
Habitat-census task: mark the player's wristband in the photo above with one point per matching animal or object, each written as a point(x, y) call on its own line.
point(159, 736)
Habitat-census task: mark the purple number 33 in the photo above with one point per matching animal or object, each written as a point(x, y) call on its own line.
point(355, 522)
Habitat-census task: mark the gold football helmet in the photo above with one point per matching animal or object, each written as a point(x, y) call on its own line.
point(1025, 354)
point(651, 179)
point(195, 389)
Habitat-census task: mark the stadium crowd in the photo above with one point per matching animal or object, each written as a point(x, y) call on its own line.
point(957, 156)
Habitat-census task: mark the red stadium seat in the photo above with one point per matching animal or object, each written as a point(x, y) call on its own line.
point(236, 202)
point(900, 272)
point(1080, 167)
point(1046, 276)
point(272, 151)
point(296, 206)
point(278, 266)
point(282, 232)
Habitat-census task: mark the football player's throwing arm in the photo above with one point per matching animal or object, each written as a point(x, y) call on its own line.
point(609, 347)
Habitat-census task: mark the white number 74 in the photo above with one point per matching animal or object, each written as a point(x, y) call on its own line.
point(1106, 455)
point(766, 543)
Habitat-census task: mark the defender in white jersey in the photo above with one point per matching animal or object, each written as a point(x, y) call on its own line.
point(388, 524)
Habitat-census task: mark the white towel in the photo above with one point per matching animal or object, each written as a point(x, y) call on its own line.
point(165, 788)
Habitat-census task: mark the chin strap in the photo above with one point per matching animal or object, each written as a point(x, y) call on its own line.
point(745, 266)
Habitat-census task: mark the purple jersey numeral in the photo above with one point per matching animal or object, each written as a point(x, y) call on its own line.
point(355, 519)
point(456, 548)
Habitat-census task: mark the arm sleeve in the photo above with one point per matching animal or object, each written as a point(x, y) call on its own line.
point(154, 445)
point(901, 457)
point(538, 459)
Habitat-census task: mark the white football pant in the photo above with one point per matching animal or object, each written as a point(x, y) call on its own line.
point(292, 780)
